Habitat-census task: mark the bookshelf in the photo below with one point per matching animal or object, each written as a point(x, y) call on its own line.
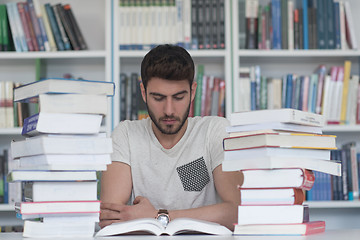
point(104, 61)
point(276, 63)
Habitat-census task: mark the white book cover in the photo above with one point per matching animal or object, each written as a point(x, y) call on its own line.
point(61, 144)
point(350, 23)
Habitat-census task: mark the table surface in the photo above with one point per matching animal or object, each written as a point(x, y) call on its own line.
point(348, 234)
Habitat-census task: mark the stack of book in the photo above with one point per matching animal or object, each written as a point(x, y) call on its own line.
point(276, 151)
point(58, 160)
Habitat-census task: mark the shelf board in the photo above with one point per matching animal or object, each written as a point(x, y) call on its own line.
point(10, 131)
point(341, 128)
point(6, 207)
point(193, 53)
point(55, 55)
point(333, 204)
point(299, 53)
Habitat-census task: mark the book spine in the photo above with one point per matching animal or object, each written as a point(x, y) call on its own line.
point(308, 180)
point(63, 36)
point(337, 25)
point(30, 45)
point(68, 28)
point(36, 26)
point(345, 91)
point(30, 124)
point(199, 80)
point(251, 24)
point(284, 24)
point(48, 30)
point(12, 22)
point(276, 23)
point(305, 24)
point(30, 26)
point(39, 15)
point(54, 27)
point(330, 24)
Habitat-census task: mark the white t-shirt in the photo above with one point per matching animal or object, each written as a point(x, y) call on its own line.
point(176, 178)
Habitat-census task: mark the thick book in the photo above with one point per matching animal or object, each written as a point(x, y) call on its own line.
point(64, 161)
point(61, 144)
point(47, 230)
point(24, 175)
point(327, 166)
point(44, 191)
point(59, 85)
point(285, 115)
point(272, 214)
point(54, 27)
point(75, 26)
point(276, 152)
point(61, 123)
point(278, 178)
point(271, 196)
point(277, 126)
point(73, 103)
point(57, 207)
point(296, 229)
point(283, 140)
point(154, 227)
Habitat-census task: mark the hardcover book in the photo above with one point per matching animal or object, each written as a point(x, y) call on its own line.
point(286, 115)
point(278, 178)
point(281, 229)
point(59, 85)
point(61, 123)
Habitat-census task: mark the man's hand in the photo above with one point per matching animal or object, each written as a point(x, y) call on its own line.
point(112, 212)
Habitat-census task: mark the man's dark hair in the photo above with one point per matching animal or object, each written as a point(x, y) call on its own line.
point(168, 62)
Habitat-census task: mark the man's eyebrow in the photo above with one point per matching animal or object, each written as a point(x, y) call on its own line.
point(162, 95)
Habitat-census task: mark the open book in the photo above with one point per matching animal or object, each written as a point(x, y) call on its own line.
point(153, 226)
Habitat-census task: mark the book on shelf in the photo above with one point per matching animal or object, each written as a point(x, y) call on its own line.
point(258, 152)
point(286, 115)
point(251, 17)
point(57, 207)
point(61, 144)
point(296, 229)
point(45, 191)
point(36, 26)
point(41, 175)
point(332, 167)
point(278, 214)
point(282, 140)
point(278, 178)
point(61, 123)
point(54, 27)
point(154, 227)
point(271, 196)
point(60, 85)
point(41, 229)
point(65, 161)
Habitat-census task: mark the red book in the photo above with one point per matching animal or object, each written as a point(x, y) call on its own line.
point(271, 196)
point(281, 229)
point(30, 26)
point(20, 6)
point(278, 178)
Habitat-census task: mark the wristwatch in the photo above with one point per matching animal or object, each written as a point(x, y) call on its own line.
point(163, 217)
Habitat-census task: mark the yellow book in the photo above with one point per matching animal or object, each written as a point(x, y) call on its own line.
point(344, 102)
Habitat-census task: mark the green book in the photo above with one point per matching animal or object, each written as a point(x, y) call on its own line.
point(199, 80)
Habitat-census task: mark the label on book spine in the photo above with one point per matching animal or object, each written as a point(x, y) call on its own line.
point(30, 124)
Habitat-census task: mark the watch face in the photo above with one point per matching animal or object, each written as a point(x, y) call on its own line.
point(164, 220)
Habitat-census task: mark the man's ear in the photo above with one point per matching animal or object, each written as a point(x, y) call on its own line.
point(143, 91)
point(193, 90)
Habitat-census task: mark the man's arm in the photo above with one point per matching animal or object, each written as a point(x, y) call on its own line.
point(116, 187)
point(224, 213)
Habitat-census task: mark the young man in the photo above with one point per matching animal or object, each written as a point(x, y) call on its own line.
point(169, 166)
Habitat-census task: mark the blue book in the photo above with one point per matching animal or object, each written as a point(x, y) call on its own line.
point(337, 25)
point(321, 24)
point(276, 23)
point(54, 27)
point(305, 24)
point(330, 24)
point(289, 91)
point(253, 95)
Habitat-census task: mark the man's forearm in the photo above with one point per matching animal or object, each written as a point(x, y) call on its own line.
point(223, 213)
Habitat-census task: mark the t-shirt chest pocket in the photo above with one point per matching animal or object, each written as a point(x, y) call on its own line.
point(194, 175)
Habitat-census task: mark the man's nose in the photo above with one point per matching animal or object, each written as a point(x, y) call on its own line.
point(169, 107)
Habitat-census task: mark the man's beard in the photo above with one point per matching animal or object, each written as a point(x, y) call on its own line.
point(169, 128)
